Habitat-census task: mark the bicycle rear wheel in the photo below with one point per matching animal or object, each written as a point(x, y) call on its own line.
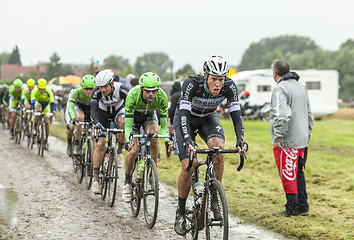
point(151, 193)
point(88, 163)
point(136, 184)
point(191, 220)
point(29, 130)
point(112, 177)
point(39, 138)
point(216, 213)
point(42, 139)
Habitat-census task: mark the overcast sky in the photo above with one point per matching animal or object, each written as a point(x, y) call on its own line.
point(188, 31)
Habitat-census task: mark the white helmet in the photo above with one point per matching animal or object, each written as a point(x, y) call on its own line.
point(216, 65)
point(104, 77)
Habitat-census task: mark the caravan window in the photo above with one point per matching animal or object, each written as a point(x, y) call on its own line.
point(313, 85)
point(264, 88)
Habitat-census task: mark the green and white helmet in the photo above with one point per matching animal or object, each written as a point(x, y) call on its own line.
point(17, 83)
point(149, 81)
point(88, 81)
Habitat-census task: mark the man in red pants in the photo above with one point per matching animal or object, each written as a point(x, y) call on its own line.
point(291, 123)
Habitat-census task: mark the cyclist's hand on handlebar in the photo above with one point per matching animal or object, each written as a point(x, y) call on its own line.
point(75, 121)
point(169, 146)
point(242, 147)
point(192, 148)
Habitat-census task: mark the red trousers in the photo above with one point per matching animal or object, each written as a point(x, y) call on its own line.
point(287, 163)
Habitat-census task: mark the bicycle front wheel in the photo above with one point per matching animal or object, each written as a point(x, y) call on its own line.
point(136, 184)
point(88, 164)
point(112, 177)
point(216, 214)
point(42, 139)
point(150, 193)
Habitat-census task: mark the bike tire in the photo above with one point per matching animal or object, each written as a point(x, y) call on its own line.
point(136, 185)
point(39, 139)
point(104, 175)
point(42, 141)
point(112, 177)
point(191, 220)
point(29, 136)
point(88, 164)
point(80, 163)
point(150, 193)
point(216, 228)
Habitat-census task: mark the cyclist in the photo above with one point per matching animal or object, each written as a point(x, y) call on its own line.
point(78, 110)
point(141, 108)
point(4, 95)
point(200, 97)
point(26, 96)
point(42, 100)
point(15, 94)
point(107, 102)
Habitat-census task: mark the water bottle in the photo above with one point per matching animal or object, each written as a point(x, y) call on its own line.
point(198, 191)
point(140, 166)
point(106, 159)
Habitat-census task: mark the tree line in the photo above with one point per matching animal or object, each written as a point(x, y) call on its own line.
point(300, 52)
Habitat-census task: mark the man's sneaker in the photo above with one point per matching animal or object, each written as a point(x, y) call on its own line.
point(180, 223)
point(76, 150)
point(127, 192)
point(303, 213)
point(120, 160)
point(34, 132)
point(282, 214)
point(12, 134)
point(96, 187)
point(69, 150)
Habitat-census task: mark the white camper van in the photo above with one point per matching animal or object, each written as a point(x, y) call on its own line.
point(322, 87)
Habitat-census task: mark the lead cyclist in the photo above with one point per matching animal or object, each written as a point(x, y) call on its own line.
point(200, 97)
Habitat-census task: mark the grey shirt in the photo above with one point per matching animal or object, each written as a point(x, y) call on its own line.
point(291, 120)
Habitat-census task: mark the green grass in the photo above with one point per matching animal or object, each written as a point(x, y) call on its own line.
point(256, 192)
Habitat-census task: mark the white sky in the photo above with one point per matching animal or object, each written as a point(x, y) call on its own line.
point(188, 31)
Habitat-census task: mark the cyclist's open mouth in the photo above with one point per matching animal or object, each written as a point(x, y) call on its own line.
point(215, 91)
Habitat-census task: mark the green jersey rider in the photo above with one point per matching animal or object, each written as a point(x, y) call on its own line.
point(78, 110)
point(141, 107)
point(15, 94)
point(42, 100)
point(26, 96)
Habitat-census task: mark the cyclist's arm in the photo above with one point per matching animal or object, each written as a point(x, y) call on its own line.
point(185, 108)
point(123, 92)
point(163, 109)
point(94, 105)
point(235, 111)
point(130, 104)
point(72, 101)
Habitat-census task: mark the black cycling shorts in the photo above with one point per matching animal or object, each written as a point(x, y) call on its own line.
point(207, 127)
point(103, 116)
point(144, 120)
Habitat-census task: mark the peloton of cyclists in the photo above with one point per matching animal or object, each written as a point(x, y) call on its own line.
point(78, 110)
point(200, 97)
point(107, 101)
point(42, 100)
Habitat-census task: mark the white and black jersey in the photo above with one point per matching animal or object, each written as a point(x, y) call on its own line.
point(109, 105)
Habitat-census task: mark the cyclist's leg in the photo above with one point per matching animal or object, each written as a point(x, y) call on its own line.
point(127, 193)
point(46, 109)
point(79, 114)
point(97, 162)
point(38, 108)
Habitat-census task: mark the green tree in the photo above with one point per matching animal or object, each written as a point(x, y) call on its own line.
point(67, 69)
point(157, 62)
point(53, 67)
point(115, 62)
point(15, 57)
point(345, 65)
point(257, 55)
point(185, 71)
point(4, 58)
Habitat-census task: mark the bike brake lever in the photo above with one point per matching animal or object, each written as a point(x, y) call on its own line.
point(245, 156)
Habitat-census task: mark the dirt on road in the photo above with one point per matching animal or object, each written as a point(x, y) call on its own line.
point(40, 198)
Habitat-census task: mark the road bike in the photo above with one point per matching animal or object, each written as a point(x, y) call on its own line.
point(3, 117)
point(209, 208)
point(83, 161)
point(40, 137)
point(18, 125)
point(145, 181)
point(109, 166)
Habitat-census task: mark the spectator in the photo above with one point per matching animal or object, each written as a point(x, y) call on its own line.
point(134, 82)
point(291, 123)
point(175, 95)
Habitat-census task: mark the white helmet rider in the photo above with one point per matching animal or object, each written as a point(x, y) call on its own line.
point(216, 65)
point(104, 77)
